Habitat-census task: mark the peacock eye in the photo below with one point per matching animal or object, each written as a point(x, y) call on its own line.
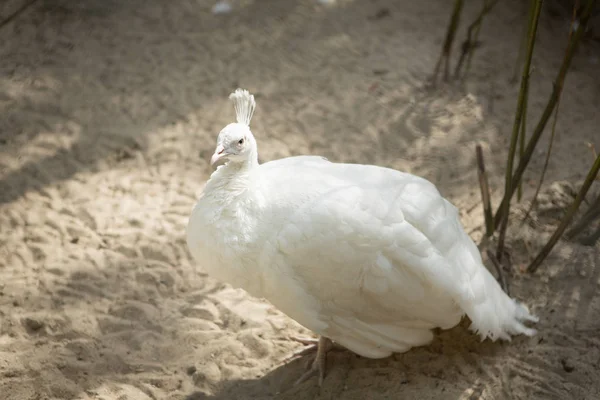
point(241, 141)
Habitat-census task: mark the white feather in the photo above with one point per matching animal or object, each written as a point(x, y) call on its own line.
point(244, 105)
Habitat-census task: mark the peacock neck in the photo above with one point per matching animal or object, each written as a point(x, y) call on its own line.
point(231, 180)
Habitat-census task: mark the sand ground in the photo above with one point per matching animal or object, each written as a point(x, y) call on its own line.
point(109, 111)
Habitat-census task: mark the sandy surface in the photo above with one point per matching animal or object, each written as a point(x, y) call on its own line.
point(109, 112)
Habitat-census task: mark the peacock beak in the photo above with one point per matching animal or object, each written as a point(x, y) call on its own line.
point(219, 154)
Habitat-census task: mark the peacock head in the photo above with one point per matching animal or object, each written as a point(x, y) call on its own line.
point(235, 143)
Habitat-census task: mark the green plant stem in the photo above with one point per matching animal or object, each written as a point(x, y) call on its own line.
point(485, 192)
point(535, 15)
point(591, 176)
point(523, 134)
point(522, 137)
point(547, 113)
point(522, 42)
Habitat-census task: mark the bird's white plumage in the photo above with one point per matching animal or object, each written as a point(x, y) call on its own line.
point(369, 257)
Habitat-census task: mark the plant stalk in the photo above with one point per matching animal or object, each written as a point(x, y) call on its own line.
point(522, 137)
point(533, 23)
point(522, 42)
point(485, 192)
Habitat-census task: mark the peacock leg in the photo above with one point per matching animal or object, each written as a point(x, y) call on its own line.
point(320, 347)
